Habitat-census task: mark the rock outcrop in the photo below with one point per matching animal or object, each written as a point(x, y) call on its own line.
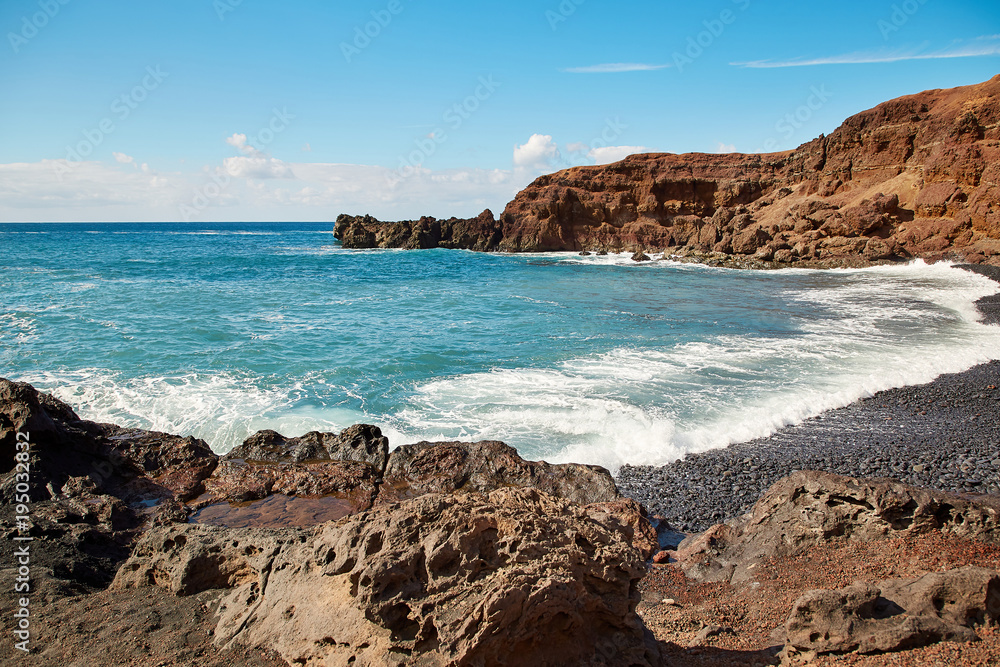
point(512, 577)
point(91, 485)
point(95, 487)
point(894, 615)
point(447, 467)
point(361, 442)
point(913, 177)
point(809, 508)
point(480, 233)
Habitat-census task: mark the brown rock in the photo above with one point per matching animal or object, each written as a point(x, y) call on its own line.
point(930, 155)
point(633, 518)
point(361, 442)
point(513, 577)
point(239, 481)
point(449, 467)
point(662, 557)
point(895, 615)
point(809, 507)
point(130, 463)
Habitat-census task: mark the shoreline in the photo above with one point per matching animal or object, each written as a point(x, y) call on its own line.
point(941, 435)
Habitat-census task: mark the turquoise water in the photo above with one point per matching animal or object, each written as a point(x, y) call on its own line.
point(220, 329)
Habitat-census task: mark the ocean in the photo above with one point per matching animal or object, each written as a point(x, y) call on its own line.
point(217, 330)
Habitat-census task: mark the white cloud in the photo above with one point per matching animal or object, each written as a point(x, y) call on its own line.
point(578, 147)
point(257, 167)
point(614, 68)
point(239, 142)
point(306, 148)
point(122, 158)
point(97, 191)
point(609, 154)
point(540, 152)
point(725, 148)
point(982, 46)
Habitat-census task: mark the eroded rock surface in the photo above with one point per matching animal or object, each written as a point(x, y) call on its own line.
point(447, 467)
point(513, 577)
point(894, 615)
point(810, 507)
point(91, 484)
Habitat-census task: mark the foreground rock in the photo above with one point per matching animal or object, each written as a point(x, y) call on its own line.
point(91, 484)
point(810, 507)
point(914, 177)
point(95, 487)
point(786, 542)
point(447, 467)
point(513, 577)
point(895, 615)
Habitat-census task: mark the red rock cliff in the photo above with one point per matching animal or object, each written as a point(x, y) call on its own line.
point(913, 177)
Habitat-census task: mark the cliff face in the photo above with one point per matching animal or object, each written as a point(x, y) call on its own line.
point(913, 177)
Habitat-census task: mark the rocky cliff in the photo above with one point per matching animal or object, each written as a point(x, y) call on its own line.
point(914, 177)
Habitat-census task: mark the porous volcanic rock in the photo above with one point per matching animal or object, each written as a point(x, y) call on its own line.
point(90, 484)
point(361, 442)
point(894, 615)
point(512, 577)
point(634, 518)
point(913, 177)
point(809, 507)
point(131, 463)
point(449, 467)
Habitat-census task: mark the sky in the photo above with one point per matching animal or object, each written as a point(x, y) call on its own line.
point(246, 110)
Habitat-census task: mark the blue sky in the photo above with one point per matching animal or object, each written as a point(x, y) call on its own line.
point(215, 110)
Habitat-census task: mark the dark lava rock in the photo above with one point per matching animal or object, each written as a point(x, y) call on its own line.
point(361, 442)
point(448, 467)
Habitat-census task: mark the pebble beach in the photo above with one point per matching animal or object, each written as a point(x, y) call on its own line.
point(942, 435)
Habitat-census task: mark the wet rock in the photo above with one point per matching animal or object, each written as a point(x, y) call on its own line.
point(640, 256)
point(238, 481)
point(92, 485)
point(516, 575)
point(450, 467)
point(361, 442)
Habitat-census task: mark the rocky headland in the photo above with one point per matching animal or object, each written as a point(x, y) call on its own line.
point(330, 548)
point(915, 177)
